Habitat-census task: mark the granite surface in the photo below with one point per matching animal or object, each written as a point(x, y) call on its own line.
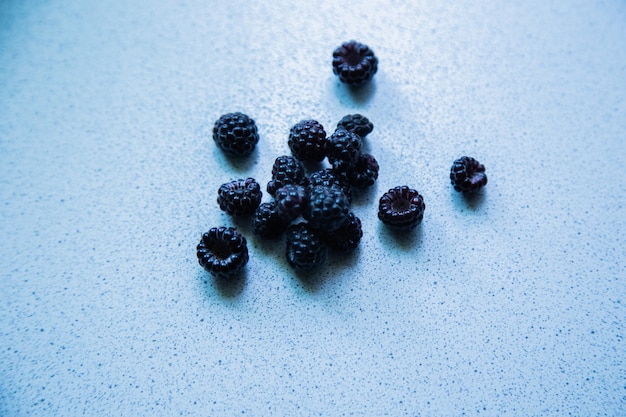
point(510, 303)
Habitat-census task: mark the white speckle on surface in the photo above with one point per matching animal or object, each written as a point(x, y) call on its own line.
point(510, 302)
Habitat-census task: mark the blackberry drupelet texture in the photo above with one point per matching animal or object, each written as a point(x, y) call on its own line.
point(328, 177)
point(305, 247)
point(291, 200)
point(328, 208)
point(236, 134)
point(286, 170)
point(222, 251)
point(354, 63)
point(356, 123)
point(307, 141)
point(268, 222)
point(364, 173)
point(467, 175)
point(348, 236)
point(344, 149)
point(239, 197)
point(401, 208)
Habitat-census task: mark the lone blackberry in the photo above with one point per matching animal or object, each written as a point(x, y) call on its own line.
point(354, 63)
point(328, 208)
point(305, 248)
point(240, 197)
point(356, 123)
point(268, 222)
point(235, 134)
point(344, 150)
point(307, 141)
point(286, 170)
point(222, 251)
point(467, 175)
point(401, 208)
point(348, 236)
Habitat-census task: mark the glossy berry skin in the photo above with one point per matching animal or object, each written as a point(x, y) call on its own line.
point(305, 247)
point(240, 197)
point(364, 173)
point(236, 134)
point(222, 251)
point(344, 149)
point(401, 208)
point(291, 200)
point(356, 123)
point(329, 177)
point(467, 175)
point(307, 141)
point(268, 222)
point(354, 63)
point(328, 208)
point(348, 236)
point(286, 170)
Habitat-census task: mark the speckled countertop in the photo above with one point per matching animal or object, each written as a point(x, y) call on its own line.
point(511, 303)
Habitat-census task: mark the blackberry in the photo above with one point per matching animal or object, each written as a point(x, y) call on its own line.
point(328, 177)
point(240, 197)
point(364, 173)
point(235, 134)
point(328, 208)
point(348, 236)
point(286, 170)
point(291, 200)
point(307, 141)
point(356, 123)
point(354, 63)
point(344, 149)
point(305, 247)
point(467, 175)
point(268, 222)
point(401, 208)
point(222, 251)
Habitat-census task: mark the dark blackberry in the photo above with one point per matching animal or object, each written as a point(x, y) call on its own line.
point(348, 236)
point(286, 170)
point(467, 175)
point(328, 208)
point(236, 134)
point(344, 149)
point(240, 197)
point(356, 123)
point(401, 208)
point(364, 173)
point(328, 177)
point(354, 63)
point(222, 251)
point(307, 141)
point(305, 247)
point(291, 200)
point(268, 222)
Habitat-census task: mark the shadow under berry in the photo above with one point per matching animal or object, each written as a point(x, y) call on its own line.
point(229, 287)
point(472, 201)
point(359, 95)
point(403, 240)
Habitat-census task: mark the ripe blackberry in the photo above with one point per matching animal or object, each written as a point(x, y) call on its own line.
point(307, 141)
point(328, 208)
point(348, 236)
point(344, 149)
point(401, 208)
point(286, 170)
point(236, 134)
point(222, 251)
point(268, 222)
point(354, 63)
point(239, 197)
point(364, 173)
point(291, 200)
point(305, 247)
point(467, 175)
point(356, 123)
point(328, 177)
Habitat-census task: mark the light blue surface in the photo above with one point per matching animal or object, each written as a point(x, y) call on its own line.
point(510, 304)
